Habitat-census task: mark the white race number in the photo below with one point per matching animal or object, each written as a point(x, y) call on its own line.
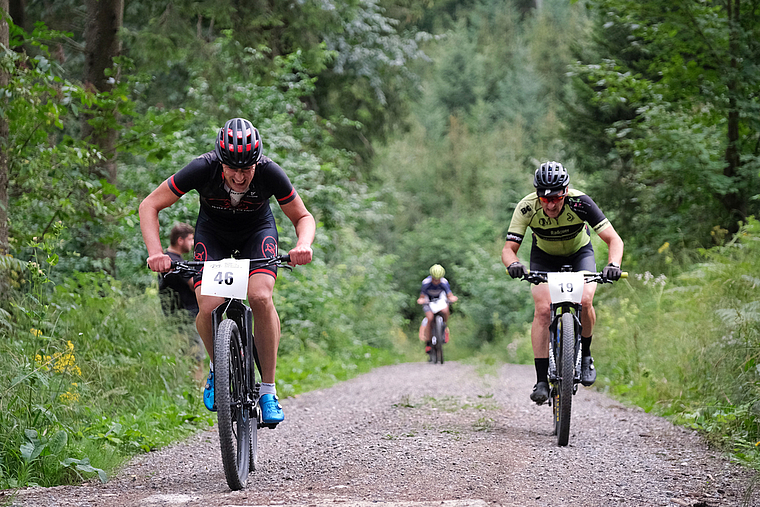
point(226, 278)
point(566, 287)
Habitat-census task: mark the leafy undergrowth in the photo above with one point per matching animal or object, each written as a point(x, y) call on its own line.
point(687, 346)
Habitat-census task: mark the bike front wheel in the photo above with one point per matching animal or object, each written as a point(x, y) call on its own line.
point(439, 330)
point(234, 422)
point(566, 367)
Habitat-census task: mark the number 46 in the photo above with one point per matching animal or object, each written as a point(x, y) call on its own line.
point(226, 279)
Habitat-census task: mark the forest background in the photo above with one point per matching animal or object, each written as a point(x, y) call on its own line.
point(411, 128)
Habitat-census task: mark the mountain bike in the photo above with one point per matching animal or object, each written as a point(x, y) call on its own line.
point(566, 291)
point(237, 372)
point(438, 337)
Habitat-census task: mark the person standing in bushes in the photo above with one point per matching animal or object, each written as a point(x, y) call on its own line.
point(176, 291)
point(235, 182)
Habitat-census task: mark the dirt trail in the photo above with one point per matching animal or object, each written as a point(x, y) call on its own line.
point(427, 435)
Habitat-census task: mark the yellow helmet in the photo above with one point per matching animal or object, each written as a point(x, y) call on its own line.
point(437, 271)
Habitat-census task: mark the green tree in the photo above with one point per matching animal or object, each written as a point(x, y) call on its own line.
point(665, 115)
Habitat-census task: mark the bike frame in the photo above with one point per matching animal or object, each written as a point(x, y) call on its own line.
point(243, 317)
point(555, 339)
point(238, 311)
point(566, 290)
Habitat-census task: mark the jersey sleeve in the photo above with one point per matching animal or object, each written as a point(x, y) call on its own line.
point(193, 176)
point(520, 220)
point(588, 210)
point(279, 183)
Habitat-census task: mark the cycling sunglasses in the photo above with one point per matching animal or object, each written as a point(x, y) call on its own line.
point(553, 198)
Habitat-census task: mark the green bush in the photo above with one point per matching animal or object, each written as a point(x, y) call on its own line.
point(688, 346)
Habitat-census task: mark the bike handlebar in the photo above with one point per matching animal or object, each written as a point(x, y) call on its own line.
point(194, 266)
point(536, 277)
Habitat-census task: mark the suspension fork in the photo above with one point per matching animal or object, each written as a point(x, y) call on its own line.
point(555, 338)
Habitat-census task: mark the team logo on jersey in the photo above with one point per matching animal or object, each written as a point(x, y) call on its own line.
point(200, 252)
point(269, 246)
point(527, 209)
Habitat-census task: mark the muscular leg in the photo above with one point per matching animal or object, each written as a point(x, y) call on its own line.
point(588, 319)
point(429, 327)
point(539, 330)
point(588, 314)
point(266, 323)
point(203, 322)
point(539, 336)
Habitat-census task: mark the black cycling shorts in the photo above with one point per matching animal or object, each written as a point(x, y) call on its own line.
point(582, 260)
point(215, 243)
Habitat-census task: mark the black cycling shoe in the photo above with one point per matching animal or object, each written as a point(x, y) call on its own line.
point(540, 393)
point(588, 372)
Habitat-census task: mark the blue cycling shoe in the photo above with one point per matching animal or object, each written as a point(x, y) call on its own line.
point(271, 410)
point(208, 393)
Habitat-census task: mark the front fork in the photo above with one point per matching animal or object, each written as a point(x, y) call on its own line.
point(243, 317)
point(555, 340)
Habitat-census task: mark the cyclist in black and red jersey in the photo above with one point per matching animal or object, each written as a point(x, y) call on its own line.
point(235, 182)
point(558, 215)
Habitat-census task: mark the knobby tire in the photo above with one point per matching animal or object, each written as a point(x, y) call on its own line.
point(439, 331)
point(229, 392)
point(566, 368)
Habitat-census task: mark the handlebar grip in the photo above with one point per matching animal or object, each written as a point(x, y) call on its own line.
point(624, 274)
point(285, 258)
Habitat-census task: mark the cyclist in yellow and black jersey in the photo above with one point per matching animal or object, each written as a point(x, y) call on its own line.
point(566, 233)
point(559, 218)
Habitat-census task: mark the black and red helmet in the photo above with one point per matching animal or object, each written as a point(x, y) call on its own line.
point(551, 178)
point(238, 143)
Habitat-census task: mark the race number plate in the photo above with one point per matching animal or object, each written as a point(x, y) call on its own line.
point(566, 287)
point(439, 304)
point(226, 278)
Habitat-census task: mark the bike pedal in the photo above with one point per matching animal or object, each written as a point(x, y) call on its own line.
point(271, 426)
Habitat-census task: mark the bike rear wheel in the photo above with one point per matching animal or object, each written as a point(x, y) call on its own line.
point(234, 423)
point(439, 330)
point(566, 367)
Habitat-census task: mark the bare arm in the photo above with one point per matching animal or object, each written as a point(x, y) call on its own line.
point(615, 244)
point(509, 253)
point(306, 228)
point(159, 199)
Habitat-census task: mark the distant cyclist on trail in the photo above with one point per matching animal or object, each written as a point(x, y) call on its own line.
point(558, 217)
point(235, 182)
point(432, 288)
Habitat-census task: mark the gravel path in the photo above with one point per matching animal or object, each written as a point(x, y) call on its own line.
point(434, 435)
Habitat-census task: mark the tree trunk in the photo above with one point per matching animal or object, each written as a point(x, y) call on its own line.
point(733, 201)
point(17, 10)
point(102, 45)
point(4, 80)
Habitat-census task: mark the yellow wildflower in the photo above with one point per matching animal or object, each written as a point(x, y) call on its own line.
point(68, 396)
